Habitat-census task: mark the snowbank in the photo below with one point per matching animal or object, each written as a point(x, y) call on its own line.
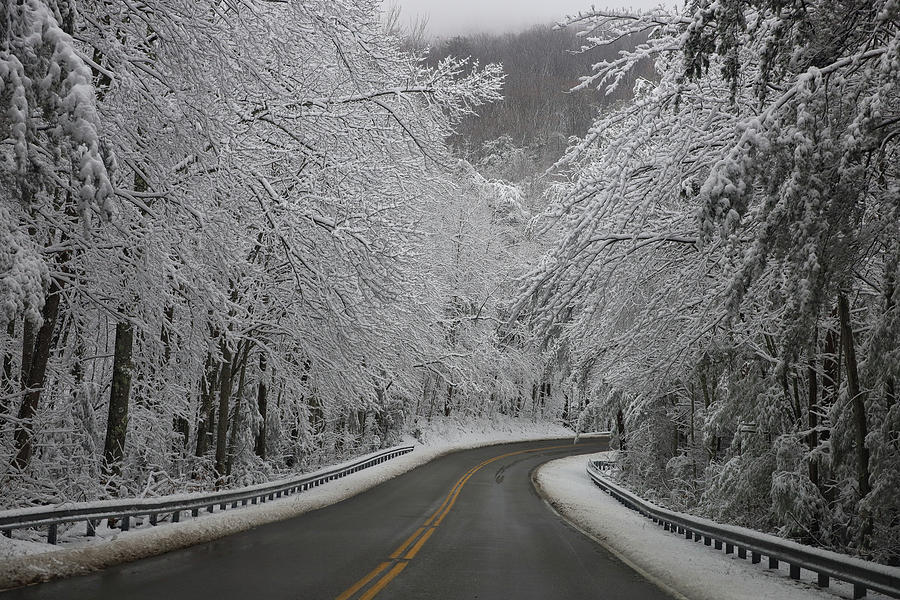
point(686, 569)
point(24, 562)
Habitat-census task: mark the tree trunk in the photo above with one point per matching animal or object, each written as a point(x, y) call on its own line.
point(28, 332)
point(236, 421)
point(35, 356)
point(857, 397)
point(117, 423)
point(225, 384)
point(620, 426)
point(448, 403)
point(890, 392)
point(7, 385)
point(812, 439)
point(831, 374)
point(180, 424)
point(261, 404)
point(207, 393)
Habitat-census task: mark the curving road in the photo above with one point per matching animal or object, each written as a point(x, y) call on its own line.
point(468, 525)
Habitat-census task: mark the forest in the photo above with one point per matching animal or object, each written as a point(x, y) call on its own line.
point(242, 239)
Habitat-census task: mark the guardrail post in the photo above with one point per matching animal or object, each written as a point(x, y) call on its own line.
point(729, 548)
point(742, 552)
point(223, 506)
point(795, 571)
point(126, 523)
point(91, 528)
point(707, 540)
point(773, 563)
point(195, 512)
point(688, 534)
point(234, 504)
point(152, 518)
point(244, 502)
point(859, 591)
point(755, 557)
point(176, 516)
point(210, 508)
point(697, 536)
point(717, 545)
point(823, 580)
point(51, 534)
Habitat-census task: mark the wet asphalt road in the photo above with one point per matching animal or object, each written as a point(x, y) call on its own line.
point(497, 540)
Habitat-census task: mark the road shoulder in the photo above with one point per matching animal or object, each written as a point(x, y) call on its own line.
point(684, 569)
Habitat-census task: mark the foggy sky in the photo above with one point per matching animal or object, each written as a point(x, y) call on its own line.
point(454, 17)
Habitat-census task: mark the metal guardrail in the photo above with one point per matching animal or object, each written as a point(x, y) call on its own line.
point(124, 510)
point(863, 575)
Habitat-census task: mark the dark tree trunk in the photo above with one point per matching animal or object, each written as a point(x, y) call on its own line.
point(857, 397)
point(180, 424)
point(236, 421)
point(890, 391)
point(7, 384)
point(831, 373)
point(812, 439)
point(117, 423)
point(262, 406)
point(29, 331)
point(35, 355)
point(448, 403)
point(77, 370)
point(207, 393)
point(225, 383)
point(620, 426)
point(712, 446)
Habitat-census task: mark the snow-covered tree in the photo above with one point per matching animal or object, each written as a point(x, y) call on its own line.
point(727, 243)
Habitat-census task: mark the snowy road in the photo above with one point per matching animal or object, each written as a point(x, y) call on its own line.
point(467, 525)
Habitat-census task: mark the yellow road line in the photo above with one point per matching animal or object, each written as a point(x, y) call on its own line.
point(362, 582)
point(415, 549)
point(439, 514)
point(384, 581)
point(459, 482)
point(396, 553)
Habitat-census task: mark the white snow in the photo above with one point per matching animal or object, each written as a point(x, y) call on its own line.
point(685, 568)
point(24, 562)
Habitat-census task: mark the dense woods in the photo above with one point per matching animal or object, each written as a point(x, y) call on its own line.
point(539, 112)
point(240, 239)
point(226, 256)
point(723, 284)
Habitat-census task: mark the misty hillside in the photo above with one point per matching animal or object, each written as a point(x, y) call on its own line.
point(538, 111)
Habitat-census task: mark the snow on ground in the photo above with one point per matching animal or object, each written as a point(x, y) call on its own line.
point(686, 569)
point(29, 561)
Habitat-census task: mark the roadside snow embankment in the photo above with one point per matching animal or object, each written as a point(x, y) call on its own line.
point(685, 569)
point(23, 562)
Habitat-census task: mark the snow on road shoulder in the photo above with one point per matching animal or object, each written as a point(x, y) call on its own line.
point(685, 569)
point(25, 562)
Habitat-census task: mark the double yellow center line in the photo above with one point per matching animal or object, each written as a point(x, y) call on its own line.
point(406, 551)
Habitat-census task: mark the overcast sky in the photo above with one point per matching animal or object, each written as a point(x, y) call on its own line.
point(453, 17)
